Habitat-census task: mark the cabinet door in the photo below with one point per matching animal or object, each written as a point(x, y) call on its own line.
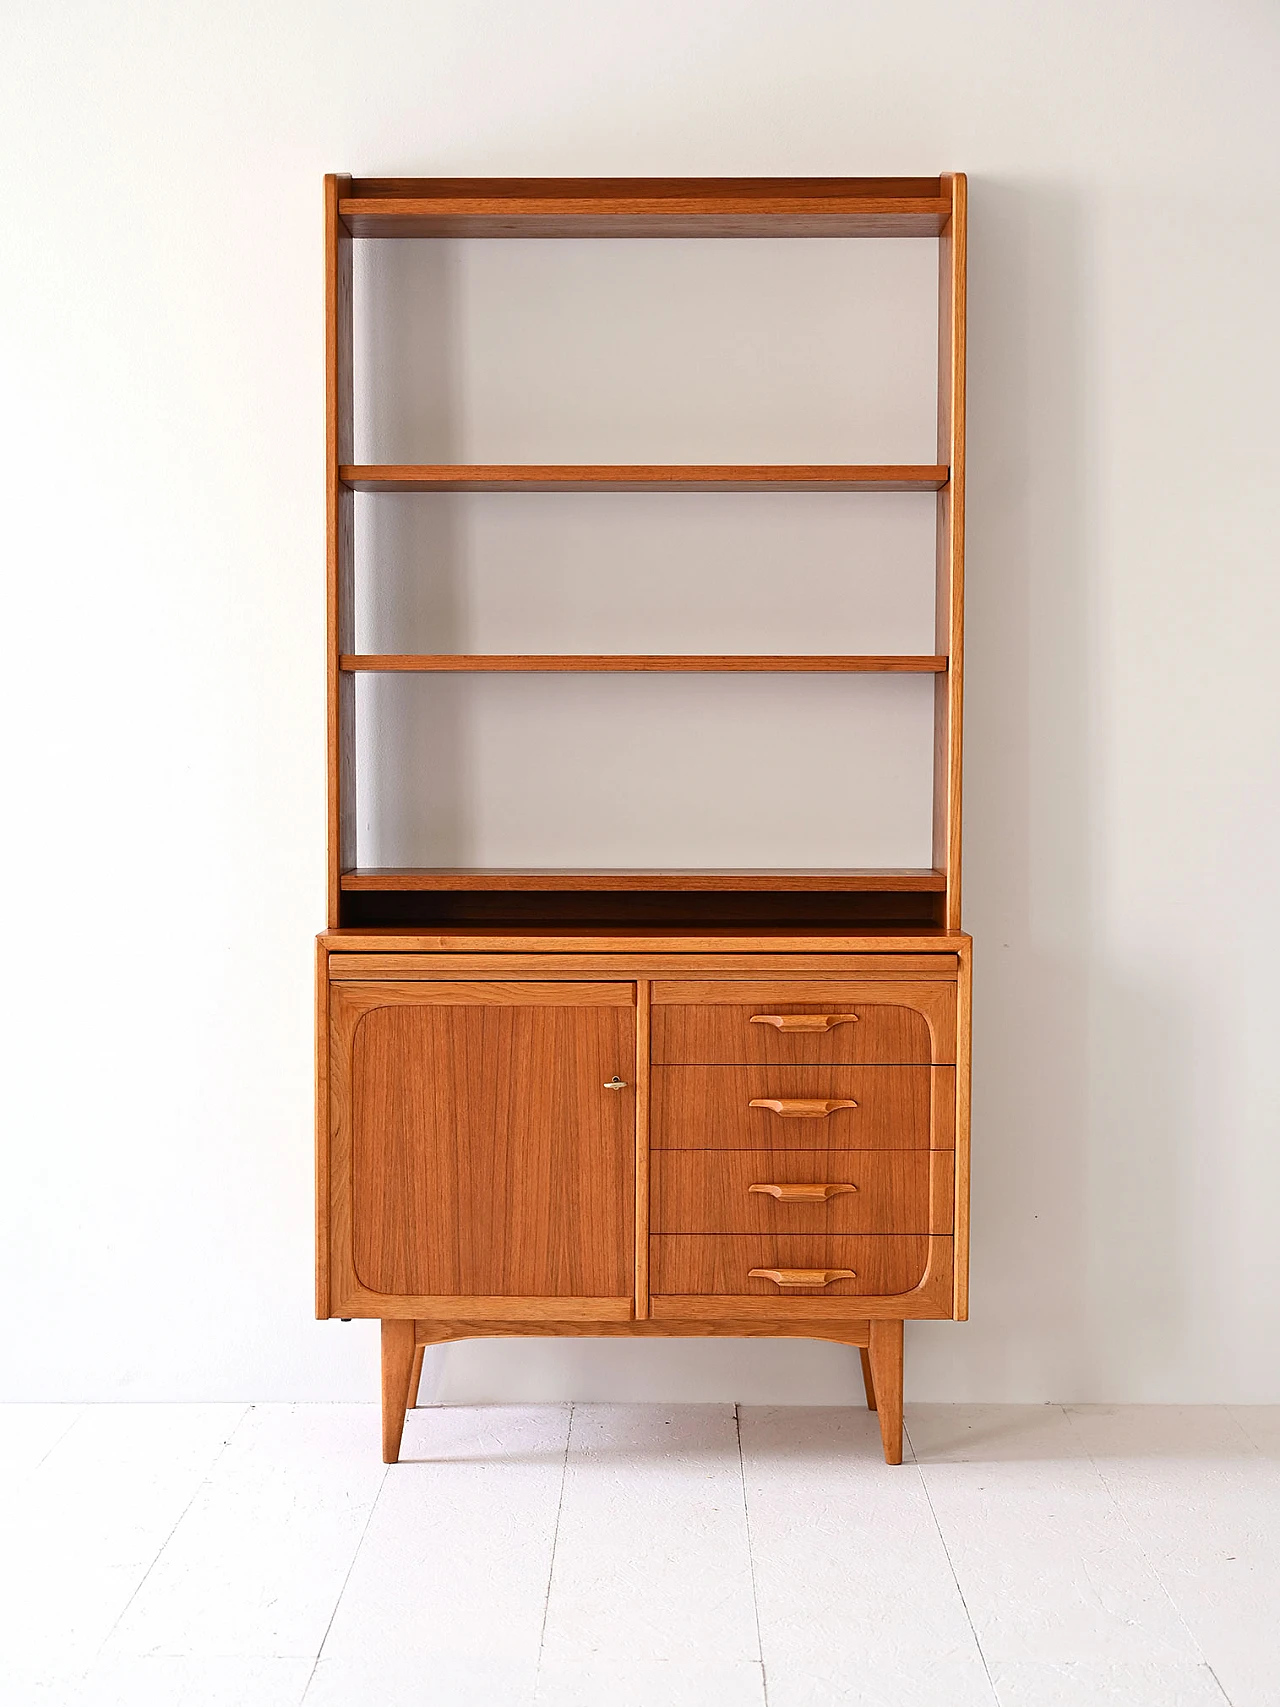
point(489, 1157)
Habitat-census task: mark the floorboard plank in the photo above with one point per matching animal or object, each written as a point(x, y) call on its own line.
point(652, 1563)
point(457, 1556)
point(256, 1565)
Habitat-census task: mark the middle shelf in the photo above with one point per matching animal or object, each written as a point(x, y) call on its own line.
point(643, 477)
point(351, 663)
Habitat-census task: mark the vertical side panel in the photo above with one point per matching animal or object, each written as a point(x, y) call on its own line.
point(322, 1133)
point(963, 1053)
point(949, 635)
point(643, 990)
point(340, 625)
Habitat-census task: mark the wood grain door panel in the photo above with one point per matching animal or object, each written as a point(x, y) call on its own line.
point(710, 1191)
point(487, 1156)
point(896, 1108)
point(721, 1263)
point(726, 1021)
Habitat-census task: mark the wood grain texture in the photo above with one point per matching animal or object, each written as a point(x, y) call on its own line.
point(711, 1191)
point(885, 968)
point(721, 1264)
point(888, 944)
point(868, 1381)
point(484, 992)
point(483, 1310)
point(949, 603)
point(340, 531)
point(885, 1357)
point(811, 1023)
point(964, 1057)
point(643, 1165)
point(384, 878)
point(322, 1133)
point(928, 1301)
point(619, 192)
point(802, 1108)
point(712, 1021)
point(846, 1330)
point(641, 477)
point(397, 1369)
point(800, 1192)
point(801, 1279)
point(613, 663)
point(646, 207)
point(710, 1107)
point(487, 1156)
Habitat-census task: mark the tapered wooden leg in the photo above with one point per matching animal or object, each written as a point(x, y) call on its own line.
point(415, 1376)
point(886, 1376)
point(867, 1382)
point(397, 1365)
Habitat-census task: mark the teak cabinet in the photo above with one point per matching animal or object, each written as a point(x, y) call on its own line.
point(643, 1102)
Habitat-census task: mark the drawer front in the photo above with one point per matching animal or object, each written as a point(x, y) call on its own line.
point(720, 1264)
point(800, 1023)
point(791, 1191)
point(802, 1108)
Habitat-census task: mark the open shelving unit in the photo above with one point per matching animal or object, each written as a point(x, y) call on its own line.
point(920, 898)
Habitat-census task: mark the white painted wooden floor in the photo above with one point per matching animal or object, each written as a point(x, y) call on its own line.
point(639, 1556)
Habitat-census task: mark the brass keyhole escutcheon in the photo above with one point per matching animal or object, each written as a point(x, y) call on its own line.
point(615, 1084)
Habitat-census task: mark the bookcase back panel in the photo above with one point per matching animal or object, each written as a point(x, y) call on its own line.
point(621, 770)
point(760, 350)
point(760, 572)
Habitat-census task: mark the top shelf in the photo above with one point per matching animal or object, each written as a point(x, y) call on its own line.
point(645, 207)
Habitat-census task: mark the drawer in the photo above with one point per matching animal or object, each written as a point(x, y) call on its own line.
point(802, 1108)
point(795, 1191)
point(796, 1023)
point(720, 1264)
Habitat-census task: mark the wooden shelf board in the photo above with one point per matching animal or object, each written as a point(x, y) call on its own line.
point(619, 663)
point(645, 939)
point(625, 477)
point(390, 878)
point(645, 207)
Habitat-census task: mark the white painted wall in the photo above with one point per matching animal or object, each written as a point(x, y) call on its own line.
point(640, 351)
point(160, 315)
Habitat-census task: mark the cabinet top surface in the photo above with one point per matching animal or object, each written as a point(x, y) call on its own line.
point(636, 207)
point(629, 189)
point(553, 940)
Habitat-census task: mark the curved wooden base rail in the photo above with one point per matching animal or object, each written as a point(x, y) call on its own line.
point(804, 1022)
point(802, 1108)
point(801, 1276)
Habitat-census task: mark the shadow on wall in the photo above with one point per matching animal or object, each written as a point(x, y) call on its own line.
point(1082, 1148)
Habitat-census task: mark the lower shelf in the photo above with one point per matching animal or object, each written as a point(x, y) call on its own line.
point(385, 879)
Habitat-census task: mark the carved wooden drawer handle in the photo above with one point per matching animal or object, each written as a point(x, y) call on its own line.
point(801, 1193)
point(802, 1276)
point(803, 1022)
point(802, 1108)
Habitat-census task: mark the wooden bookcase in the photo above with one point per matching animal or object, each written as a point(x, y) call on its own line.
point(484, 1166)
